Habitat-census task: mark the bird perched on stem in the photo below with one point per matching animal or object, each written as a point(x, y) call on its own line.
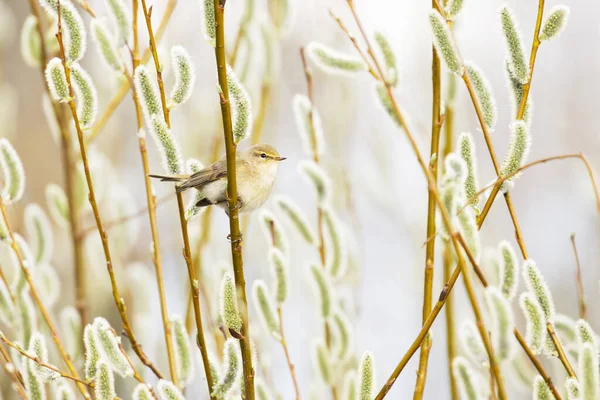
point(256, 169)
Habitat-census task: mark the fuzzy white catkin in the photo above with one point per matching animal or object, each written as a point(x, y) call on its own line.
point(92, 354)
point(272, 51)
point(469, 230)
point(315, 175)
point(555, 23)
point(573, 392)
point(121, 18)
point(468, 386)
point(38, 348)
point(183, 353)
point(311, 132)
point(283, 15)
point(517, 64)
point(106, 45)
point(230, 315)
point(108, 345)
point(337, 252)
point(26, 317)
point(185, 76)
point(444, 44)
point(516, 95)
point(168, 391)
point(467, 150)
point(509, 267)
point(58, 205)
point(366, 377)
point(263, 302)
point(7, 308)
point(168, 147)
point(64, 392)
point(453, 8)
point(565, 329)
point(74, 34)
point(71, 329)
point(483, 94)
point(147, 93)
point(349, 388)
point(241, 106)
point(231, 370)
point(57, 80)
point(502, 323)
point(34, 387)
point(343, 342)
point(536, 334)
point(585, 333)
point(537, 285)
point(104, 382)
point(322, 362)
point(541, 391)
point(385, 102)
point(262, 391)
point(589, 374)
point(142, 392)
point(193, 166)
point(13, 173)
point(471, 342)
point(519, 144)
point(332, 61)
point(39, 232)
point(274, 233)
point(296, 217)
point(280, 273)
point(31, 47)
point(86, 96)
point(389, 58)
point(321, 283)
point(210, 25)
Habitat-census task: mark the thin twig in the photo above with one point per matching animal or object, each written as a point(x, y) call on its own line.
point(14, 374)
point(537, 365)
point(580, 294)
point(561, 353)
point(287, 355)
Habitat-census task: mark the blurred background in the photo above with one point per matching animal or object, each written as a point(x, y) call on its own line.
point(380, 192)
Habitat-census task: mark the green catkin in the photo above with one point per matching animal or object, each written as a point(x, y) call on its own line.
point(71, 329)
point(231, 369)
point(49, 284)
point(541, 391)
point(322, 285)
point(104, 382)
point(57, 80)
point(366, 377)
point(471, 342)
point(516, 95)
point(168, 391)
point(389, 58)
point(322, 360)
point(332, 61)
point(349, 386)
point(483, 93)
point(168, 147)
point(193, 166)
point(106, 46)
point(270, 46)
point(519, 144)
point(31, 47)
point(7, 308)
point(86, 96)
point(64, 392)
point(34, 387)
point(147, 93)
point(385, 102)
point(58, 205)
point(230, 316)
point(517, 63)
point(536, 335)
point(109, 346)
point(210, 25)
point(453, 8)
point(337, 253)
point(38, 348)
point(572, 386)
point(12, 173)
point(585, 333)
point(470, 231)
point(315, 175)
point(265, 308)
point(280, 273)
point(565, 329)
point(555, 23)
point(451, 199)
point(241, 107)
point(92, 355)
point(536, 284)
point(27, 322)
point(343, 343)
point(502, 323)
point(311, 132)
point(282, 14)
point(589, 374)
point(509, 270)
point(39, 233)
point(185, 76)
point(466, 147)
point(296, 217)
point(72, 25)
point(183, 352)
point(121, 17)
point(142, 392)
point(455, 170)
point(445, 46)
point(466, 379)
point(262, 391)
point(273, 231)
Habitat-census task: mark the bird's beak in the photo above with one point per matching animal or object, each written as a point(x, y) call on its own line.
point(280, 158)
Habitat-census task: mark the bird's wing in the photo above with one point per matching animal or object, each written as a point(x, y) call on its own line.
point(214, 172)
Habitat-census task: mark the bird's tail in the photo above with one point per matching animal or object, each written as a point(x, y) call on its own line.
point(174, 178)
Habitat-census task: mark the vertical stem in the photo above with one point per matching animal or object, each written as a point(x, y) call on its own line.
point(232, 197)
point(151, 203)
point(579, 279)
point(431, 215)
point(287, 355)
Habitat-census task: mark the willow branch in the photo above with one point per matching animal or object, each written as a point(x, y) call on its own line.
point(580, 294)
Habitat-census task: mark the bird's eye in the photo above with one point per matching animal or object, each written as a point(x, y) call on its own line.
point(263, 155)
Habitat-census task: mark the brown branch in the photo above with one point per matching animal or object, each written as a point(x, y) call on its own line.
point(580, 294)
point(287, 355)
point(561, 353)
point(537, 365)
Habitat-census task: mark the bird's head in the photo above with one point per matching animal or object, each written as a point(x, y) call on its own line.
point(264, 154)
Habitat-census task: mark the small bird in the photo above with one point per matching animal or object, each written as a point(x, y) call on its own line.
point(256, 169)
